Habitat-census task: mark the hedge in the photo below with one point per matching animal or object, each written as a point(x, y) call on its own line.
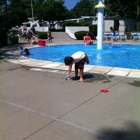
point(42, 35)
point(13, 36)
point(80, 34)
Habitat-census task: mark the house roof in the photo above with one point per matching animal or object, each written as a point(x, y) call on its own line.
point(105, 17)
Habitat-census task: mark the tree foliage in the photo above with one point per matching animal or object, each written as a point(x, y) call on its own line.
point(83, 8)
point(54, 10)
point(123, 8)
point(15, 12)
point(19, 11)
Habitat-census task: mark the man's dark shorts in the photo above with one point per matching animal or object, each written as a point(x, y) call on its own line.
point(29, 36)
point(80, 64)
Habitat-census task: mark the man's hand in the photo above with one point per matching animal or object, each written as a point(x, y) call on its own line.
point(69, 70)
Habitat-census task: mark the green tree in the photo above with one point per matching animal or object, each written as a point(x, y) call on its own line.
point(83, 8)
point(53, 10)
point(69, 14)
point(3, 13)
point(123, 8)
point(16, 12)
point(37, 7)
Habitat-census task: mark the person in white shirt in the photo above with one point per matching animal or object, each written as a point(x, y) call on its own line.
point(20, 30)
point(79, 58)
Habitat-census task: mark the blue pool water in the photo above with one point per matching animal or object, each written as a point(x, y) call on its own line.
point(113, 55)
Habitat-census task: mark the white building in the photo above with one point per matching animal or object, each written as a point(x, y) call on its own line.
point(42, 26)
point(119, 24)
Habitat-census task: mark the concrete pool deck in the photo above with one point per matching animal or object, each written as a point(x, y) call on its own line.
point(37, 103)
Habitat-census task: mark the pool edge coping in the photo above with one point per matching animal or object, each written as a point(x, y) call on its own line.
point(22, 60)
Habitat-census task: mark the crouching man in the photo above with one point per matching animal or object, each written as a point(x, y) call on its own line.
point(79, 58)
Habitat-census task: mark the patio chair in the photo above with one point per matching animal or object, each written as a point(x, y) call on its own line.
point(105, 36)
point(122, 36)
point(135, 36)
point(138, 35)
point(115, 36)
point(108, 36)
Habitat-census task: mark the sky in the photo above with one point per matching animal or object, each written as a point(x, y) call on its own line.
point(70, 3)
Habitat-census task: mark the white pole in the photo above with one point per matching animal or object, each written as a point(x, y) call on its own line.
point(100, 29)
point(32, 10)
point(42, 26)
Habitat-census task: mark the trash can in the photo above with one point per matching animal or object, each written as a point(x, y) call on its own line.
point(42, 42)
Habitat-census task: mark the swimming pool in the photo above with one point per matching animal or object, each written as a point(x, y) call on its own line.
point(113, 55)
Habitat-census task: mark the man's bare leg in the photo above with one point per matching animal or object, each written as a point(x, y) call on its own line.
point(81, 75)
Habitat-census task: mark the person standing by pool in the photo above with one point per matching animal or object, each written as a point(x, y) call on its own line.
point(87, 40)
point(24, 33)
point(49, 36)
point(31, 32)
point(20, 30)
point(79, 58)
